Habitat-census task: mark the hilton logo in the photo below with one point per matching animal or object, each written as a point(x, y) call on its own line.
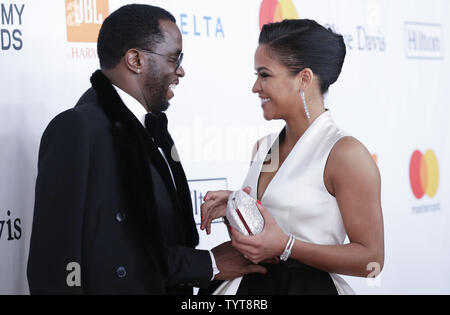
point(423, 41)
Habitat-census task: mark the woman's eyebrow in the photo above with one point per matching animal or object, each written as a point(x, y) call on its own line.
point(262, 68)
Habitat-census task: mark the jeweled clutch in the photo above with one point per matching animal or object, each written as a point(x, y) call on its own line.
point(243, 214)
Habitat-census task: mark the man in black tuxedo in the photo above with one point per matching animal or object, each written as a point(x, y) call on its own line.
point(113, 213)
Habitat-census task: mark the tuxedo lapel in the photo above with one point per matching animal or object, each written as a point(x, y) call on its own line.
point(181, 195)
point(183, 191)
point(156, 127)
point(163, 169)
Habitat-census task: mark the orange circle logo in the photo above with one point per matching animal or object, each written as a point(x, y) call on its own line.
point(424, 174)
point(276, 11)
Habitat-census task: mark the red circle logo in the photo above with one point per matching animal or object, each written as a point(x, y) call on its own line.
point(276, 11)
point(424, 174)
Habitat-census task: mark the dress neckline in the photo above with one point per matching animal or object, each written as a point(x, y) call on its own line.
point(278, 139)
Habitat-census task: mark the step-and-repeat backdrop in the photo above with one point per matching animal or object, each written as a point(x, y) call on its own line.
point(392, 95)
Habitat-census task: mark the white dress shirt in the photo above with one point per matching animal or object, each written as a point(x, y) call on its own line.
point(139, 111)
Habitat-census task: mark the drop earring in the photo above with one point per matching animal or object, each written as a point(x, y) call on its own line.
point(302, 94)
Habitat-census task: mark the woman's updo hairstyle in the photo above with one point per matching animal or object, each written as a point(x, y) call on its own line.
point(299, 44)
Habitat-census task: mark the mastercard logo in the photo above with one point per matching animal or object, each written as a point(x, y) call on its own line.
point(424, 174)
point(276, 11)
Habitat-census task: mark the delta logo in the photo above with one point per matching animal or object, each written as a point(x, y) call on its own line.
point(424, 174)
point(276, 11)
point(84, 19)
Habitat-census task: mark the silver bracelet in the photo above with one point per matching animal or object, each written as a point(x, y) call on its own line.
point(287, 250)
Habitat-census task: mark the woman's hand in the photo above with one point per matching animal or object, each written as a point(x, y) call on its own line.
point(215, 206)
point(267, 245)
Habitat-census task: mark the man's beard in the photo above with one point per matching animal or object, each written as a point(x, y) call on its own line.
point(157, 87)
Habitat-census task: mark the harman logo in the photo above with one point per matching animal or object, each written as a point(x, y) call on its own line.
point(424, 174)
point(424, 41)
point(276, 11)
point(84, 19)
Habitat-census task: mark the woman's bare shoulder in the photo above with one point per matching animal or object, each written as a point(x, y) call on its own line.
point(349, 158)
point(349, 150)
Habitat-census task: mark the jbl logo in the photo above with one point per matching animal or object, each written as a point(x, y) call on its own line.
point(84, 19)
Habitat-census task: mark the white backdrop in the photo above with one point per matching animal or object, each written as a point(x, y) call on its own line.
point(391, 96)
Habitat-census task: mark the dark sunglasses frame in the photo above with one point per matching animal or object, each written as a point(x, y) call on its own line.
point(177, 63)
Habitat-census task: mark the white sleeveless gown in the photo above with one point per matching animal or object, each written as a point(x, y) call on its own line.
point(297, 197)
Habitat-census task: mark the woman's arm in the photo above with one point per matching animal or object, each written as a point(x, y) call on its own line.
point(353, 178)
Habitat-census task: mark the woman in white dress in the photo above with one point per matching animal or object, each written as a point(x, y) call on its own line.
point(316, 184)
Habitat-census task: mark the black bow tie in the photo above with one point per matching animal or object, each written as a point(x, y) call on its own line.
point(156, 125)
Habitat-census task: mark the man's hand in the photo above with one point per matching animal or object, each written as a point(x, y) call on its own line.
point(232, 264)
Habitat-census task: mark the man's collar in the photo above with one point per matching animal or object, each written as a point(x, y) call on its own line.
point(132, 104)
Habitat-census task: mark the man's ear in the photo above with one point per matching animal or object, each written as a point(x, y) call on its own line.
point(134, 61)
point(305, 78)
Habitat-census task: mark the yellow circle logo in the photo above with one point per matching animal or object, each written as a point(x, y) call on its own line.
point(424, 174)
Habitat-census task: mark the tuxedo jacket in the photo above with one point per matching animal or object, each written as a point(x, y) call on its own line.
point(108, 218)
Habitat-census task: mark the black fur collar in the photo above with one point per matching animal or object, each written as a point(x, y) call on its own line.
point(133, 165)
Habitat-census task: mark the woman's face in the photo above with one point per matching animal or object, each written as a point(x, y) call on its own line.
point(277, 88)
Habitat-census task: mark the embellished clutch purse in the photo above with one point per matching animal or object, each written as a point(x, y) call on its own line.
point(243, 214)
